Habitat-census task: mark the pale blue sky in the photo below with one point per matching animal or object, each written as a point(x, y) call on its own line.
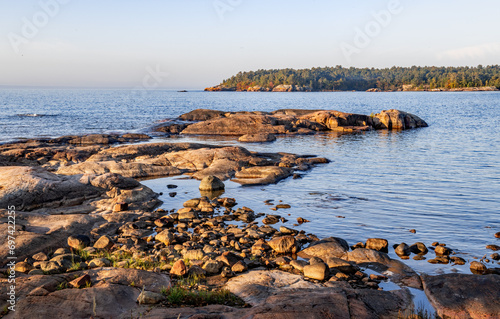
point(201, 42)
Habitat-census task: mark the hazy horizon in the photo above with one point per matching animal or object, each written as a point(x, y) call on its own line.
point(192, 45)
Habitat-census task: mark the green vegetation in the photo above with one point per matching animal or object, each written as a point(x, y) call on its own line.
point(360, 79)
point(184, 293)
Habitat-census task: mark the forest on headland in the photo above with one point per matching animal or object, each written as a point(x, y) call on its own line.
point(362, 79)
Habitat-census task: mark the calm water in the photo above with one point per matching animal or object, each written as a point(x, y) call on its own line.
point(443, 181)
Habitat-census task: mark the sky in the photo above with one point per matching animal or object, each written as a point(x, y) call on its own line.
point(192, 44)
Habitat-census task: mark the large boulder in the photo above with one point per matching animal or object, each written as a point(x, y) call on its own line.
point(464, 296)
point(326, 248)
point(397, 120)
point(211, 183)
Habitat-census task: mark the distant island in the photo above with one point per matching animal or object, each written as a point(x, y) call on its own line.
point(365, 79)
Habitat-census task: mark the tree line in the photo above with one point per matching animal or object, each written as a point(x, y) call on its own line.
point(360, 79)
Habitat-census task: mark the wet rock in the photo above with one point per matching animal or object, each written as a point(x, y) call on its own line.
point(179, 268)
point(497, 234)
point(257, 138)
point(457, 260)
point(378, 244)
point(326, 248)
point(439, 260)
point(478, 268)
point(288, 231)
point(318, 271)
point(493, 247)
point(149, 298)
point(419, 248)
point(104, 242)
point(397, 120)
point(403, 250)
point(442, 250)
point(78, 241)
point(283, 244)
point(211, 183)
point(463, 296)
point(495, 256)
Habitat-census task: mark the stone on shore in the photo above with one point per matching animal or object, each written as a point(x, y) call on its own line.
point(326, 248)
point(211, 183)
point(318, 271)
point(283, 244)
point(379, 244)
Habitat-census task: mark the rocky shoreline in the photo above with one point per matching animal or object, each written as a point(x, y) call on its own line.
point(91, 241)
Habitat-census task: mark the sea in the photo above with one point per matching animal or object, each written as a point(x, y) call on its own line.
point(442, 181)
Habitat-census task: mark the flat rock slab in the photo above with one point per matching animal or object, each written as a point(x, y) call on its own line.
point(464, 296)
point(277, 294)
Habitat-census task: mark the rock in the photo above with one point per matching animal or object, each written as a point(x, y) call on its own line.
point(201, 115)
point(478, 268)
point(397, 120)
point(497, 234)
point(326, 248)
point(277, 294)
point(179, 268)
point(211, 183)
point(442, 250)
point(457, 260)
point(318, 271)
point(51, 267)
point(419, 248)
point(29, 188)
point(403, 250)
point(288, 231)
point(99, 262)
point(40, 256)
point(299, 264)
point(378, 244)
point(262, 175)
point(212, 266)
point(104, 242)
point(23, 267)
point(149, 298)
point(495, 256)
point(341, 265)
point(257, 138)
point(194, 254)
point(493, 247)
point(78, 241)
point(193, 203)
point(240, 266)
point(166, 237)
point(195, 270)
point(363, 255)
point(463, 296)
point(81, 282)
point(228, 258)
point(283, 244)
